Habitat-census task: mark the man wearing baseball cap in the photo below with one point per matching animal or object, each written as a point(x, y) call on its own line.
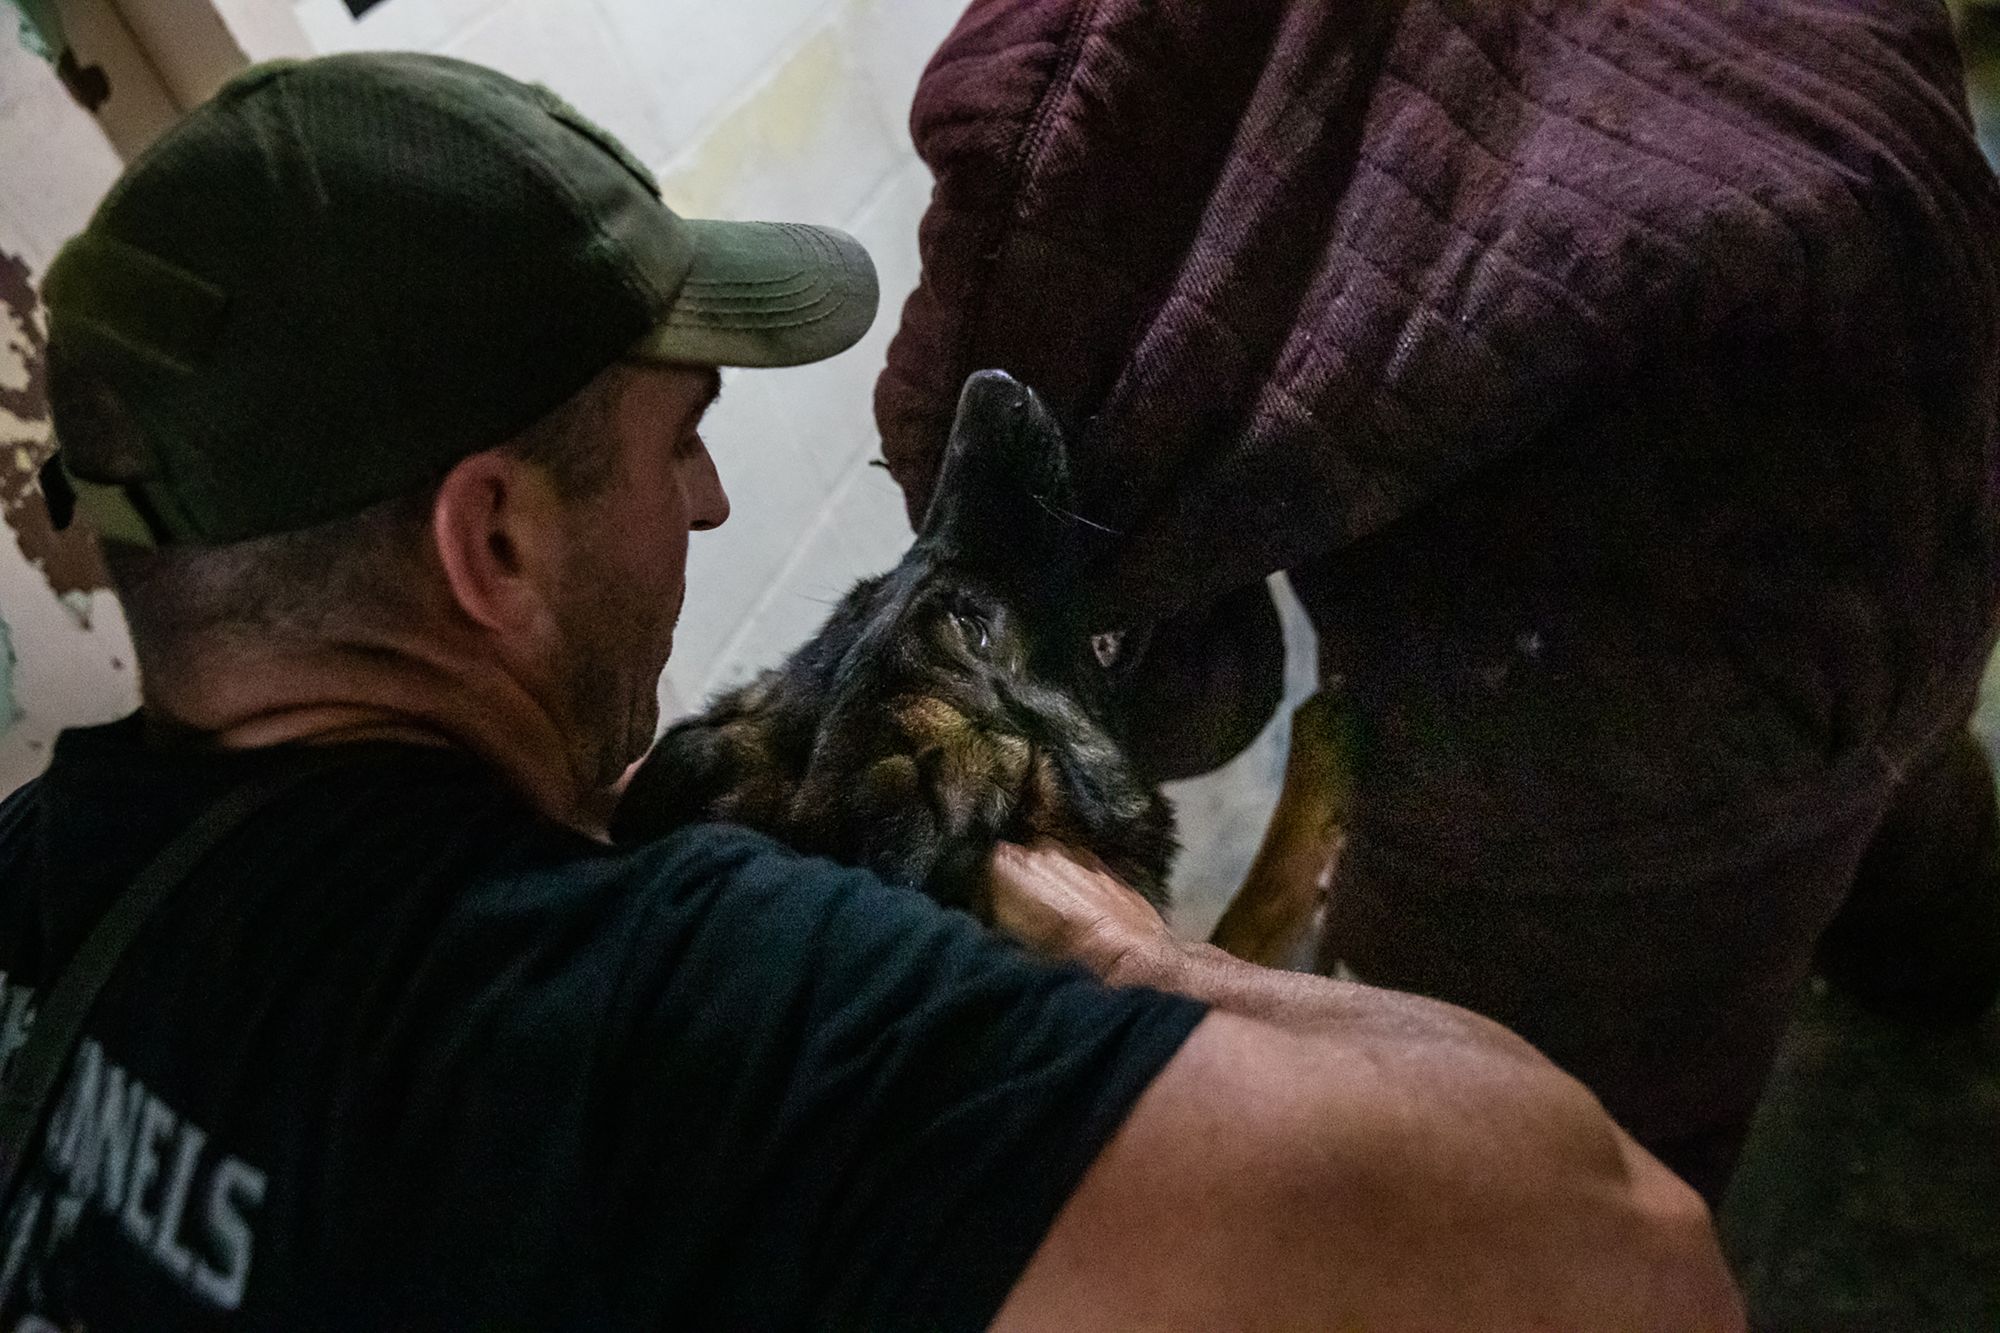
point(329, 1006)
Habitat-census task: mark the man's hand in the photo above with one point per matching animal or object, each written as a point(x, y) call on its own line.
point(1065, 904)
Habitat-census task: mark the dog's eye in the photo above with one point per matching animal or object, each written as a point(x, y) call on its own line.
point(972, 629)
point(1107, 647)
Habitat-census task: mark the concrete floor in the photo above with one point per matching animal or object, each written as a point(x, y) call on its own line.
point(1869, 1194)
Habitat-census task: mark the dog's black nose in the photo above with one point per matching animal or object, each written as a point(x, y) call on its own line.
point(992, 391)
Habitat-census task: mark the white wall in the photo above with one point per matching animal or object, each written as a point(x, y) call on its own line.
point(792, 109)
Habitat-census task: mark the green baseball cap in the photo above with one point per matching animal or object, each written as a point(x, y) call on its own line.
point(340, 276)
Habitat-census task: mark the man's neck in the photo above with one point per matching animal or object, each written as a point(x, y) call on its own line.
point(248, 697)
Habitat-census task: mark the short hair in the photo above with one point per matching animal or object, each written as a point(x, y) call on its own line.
point(303, 584)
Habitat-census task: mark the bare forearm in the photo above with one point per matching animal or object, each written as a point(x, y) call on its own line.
point(1069, 909)
point(1457, 1138)
point(1298, 1001)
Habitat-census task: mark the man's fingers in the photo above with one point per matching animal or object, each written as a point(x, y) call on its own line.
point(1020, 907)
point(1051, 901)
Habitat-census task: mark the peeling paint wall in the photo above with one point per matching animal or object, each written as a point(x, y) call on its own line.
point(64, 657)
point(10, 712)
point(791, 109)
point(68, 561)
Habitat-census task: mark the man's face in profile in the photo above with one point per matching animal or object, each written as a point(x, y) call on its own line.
point(626, 574)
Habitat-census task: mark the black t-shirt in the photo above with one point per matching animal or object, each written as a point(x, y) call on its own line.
point(402, 1054)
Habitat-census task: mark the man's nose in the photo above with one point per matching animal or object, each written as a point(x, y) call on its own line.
point(708, 505)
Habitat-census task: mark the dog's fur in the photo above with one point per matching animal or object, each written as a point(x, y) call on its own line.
point(952, 702)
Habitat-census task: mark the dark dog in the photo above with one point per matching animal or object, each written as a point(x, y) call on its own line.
point(952, 702)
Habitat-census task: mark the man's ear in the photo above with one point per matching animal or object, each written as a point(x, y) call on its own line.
point(498, 526)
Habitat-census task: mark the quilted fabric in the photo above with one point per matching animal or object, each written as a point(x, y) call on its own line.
point(1617, 381)
point(1594, 367)
point(1299, 267)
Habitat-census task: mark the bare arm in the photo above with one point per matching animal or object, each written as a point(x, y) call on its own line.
point(1326, 1155)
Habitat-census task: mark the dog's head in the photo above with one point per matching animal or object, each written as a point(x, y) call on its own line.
point(954, 701)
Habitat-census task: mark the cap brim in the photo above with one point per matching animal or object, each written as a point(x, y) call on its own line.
point(766, 294)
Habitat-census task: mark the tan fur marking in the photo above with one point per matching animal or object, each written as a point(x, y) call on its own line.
point(930, 719)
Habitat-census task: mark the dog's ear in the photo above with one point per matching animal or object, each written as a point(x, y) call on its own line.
point(1004, 505)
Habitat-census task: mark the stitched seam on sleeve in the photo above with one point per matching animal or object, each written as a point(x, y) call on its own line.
point(1650, 152)
point(1028, 155)
point(1782, 148)
point(1940, 187)
point(1668, 240)
point(1554, 286)
point(1000, 54)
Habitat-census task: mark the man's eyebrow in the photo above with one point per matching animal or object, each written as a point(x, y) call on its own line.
point(711, 393)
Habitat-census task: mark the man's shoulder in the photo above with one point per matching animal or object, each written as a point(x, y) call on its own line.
point(693, 869)
point(669, 916)
point(726, 891)
point(702, 851)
